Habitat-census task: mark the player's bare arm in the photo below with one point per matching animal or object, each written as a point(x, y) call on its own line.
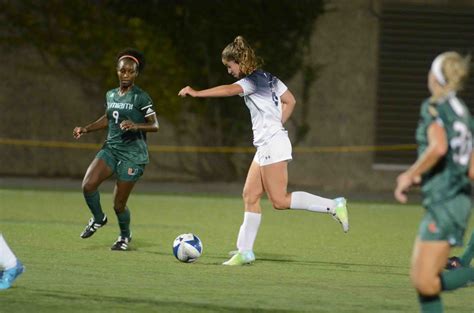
point(100, 123)
point(471, 167)
point(288, 103)
point(219, 91)
point(151, 124)
point(437, 148)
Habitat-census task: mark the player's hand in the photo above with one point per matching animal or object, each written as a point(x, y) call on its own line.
point(78, 132)
point(404, 182)
point(417, 180)
point(187, 91)
point(128, 125)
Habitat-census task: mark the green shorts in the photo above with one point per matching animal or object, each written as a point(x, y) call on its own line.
point(446, 221)
point(124, 170)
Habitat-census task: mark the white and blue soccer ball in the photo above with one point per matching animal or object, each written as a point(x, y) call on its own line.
point(187, 248)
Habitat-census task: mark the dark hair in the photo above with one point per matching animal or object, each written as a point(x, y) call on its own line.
point(135, 55)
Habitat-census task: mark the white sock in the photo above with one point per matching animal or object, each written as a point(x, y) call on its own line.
point(248, 231)
point(301, 200)
point(7, 258)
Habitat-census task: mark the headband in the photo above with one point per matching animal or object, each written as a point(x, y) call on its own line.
point(130, 57)
point(436, 69)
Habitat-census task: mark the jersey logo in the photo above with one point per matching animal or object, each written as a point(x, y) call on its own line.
point(432, 227)
point(272, 80)
point(132, 171)
point(149, 111)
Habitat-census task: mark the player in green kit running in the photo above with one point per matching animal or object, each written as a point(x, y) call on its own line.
point(129, 115)
point(444, 138)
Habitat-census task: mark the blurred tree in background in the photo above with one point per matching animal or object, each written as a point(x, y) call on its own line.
point(182, 41)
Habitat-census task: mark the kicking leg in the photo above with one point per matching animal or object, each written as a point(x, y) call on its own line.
point(275, 181)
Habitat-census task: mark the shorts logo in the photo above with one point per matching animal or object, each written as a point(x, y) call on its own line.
point(432, 227)
point(267, 157)
point(132, 171)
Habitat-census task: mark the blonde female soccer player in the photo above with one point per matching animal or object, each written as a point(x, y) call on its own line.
point(444, 139)
point(270, 103)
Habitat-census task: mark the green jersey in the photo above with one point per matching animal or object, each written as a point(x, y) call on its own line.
point(448, 177)
point(135, 105)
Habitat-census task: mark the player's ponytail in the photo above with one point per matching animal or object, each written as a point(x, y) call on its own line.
point(456, 69)
point(241, 53)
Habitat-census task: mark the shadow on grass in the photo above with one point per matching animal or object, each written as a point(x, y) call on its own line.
point(140, 304)
point(338, 264)
point(217, 260)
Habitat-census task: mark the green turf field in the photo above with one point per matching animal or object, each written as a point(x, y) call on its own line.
point(304, 261)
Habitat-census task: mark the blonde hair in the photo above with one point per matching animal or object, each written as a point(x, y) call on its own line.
point(455, 69)
point(241, 53)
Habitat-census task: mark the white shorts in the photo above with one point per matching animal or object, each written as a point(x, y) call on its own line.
point(277, 149)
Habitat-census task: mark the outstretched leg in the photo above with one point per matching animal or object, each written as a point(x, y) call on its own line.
point(275, 181)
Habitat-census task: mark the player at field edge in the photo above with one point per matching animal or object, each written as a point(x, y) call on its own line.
point(129, 115)
point(270, 103)
point(12, 267)
point(445, 163)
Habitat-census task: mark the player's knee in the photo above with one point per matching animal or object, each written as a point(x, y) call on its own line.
point(119, 208)
point(279, 206)
point(279, 203)
point(88, 186)
point(119, 205)
point(425, 285)
point(427, 289)
point(250, 197)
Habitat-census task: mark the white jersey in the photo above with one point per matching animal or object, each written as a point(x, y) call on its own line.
point(262, 92)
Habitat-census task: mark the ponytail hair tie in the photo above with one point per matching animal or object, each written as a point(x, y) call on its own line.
point(436, 69)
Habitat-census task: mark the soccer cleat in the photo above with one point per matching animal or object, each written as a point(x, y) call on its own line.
point(241, 258)
point(453, 263)
point(92, 227)
point(121, 244)
point(340, 213)
point(10, 275)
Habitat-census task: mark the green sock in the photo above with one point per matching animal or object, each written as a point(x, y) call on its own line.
point(466, 257)
point(457, 278)
point(124, 222)
point(430, 304)
point(93, 202)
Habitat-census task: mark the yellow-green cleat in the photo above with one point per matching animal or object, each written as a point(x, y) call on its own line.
point(340, 213)
point(241, 258)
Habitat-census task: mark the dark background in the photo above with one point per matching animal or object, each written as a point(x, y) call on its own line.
point(358, 70)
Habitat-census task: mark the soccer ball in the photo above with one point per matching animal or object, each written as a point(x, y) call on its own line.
point(187, 248)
